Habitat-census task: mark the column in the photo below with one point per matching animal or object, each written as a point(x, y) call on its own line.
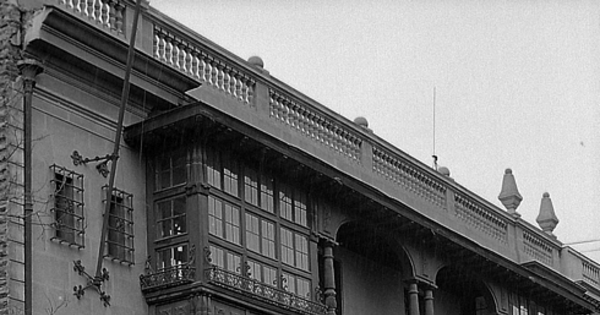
point(429, 310)
point(329, 277)
point(413, 298)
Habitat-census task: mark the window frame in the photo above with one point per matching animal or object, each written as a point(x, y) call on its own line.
point(225, 220)
point(159, 220)
point(262, 207)
point(67, 204)
point(297, 204)
point(267, 247)
point(170, 158)
point(124, 243)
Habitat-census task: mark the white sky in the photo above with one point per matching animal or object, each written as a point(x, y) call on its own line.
point(518, 84)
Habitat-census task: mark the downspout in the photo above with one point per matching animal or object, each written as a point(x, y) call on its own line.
point(29, 69)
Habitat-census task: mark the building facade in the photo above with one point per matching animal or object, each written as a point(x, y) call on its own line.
point(234, 193)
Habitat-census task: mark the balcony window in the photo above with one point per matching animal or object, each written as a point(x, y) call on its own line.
point(172, 257)
point(295, 285)
point(224, 220)
point(262, 273)
point(171, 217)
point(170, 170)
point(294, 249)
point(222, 173)
point(257, 244)
point(68, 206)
point(225, 259)
point(260, 235)
point(258, 190)
point(292, 205)
point(119, 238)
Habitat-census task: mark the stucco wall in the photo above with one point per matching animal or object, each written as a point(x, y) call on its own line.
point(67, 117)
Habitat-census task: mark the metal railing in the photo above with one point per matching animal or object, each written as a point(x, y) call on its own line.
point(168, 277)
point(267, 293)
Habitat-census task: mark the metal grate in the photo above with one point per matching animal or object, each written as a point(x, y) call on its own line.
point(67, 207)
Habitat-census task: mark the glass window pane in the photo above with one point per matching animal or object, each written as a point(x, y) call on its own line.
point(251, 187)
point(165, 228)
point(285, 203)
point(179, 225)
point(233, 263)
point(164, 209)
point(180, 255)
point(217, 256)
point(179, 169)
point(303, 288)
point(179, 206)
point(266, 193)
point(270, 276)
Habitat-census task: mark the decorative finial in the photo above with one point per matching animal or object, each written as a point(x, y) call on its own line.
point(363, 123)
point(547, 219)
point(509, 195)
point(256, 61)
point(444, 171)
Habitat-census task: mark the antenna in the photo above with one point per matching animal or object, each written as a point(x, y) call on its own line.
point(435, 158)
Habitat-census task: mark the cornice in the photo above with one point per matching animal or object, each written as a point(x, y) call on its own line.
point(57, 34)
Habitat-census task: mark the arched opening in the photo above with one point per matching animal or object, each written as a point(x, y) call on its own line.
point(461, 293)
point(370, 269)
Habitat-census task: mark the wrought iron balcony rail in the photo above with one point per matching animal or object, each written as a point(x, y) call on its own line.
point(168, 277)
point(258, 290)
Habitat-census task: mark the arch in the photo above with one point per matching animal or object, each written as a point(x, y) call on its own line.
point(373, 242)
point(468, 293)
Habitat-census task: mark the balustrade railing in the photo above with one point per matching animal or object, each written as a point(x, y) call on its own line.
point(109, 14)
point(591, 273)
point(262, 291)
point(409, 177)
point(308, 122)
point(196, 62)
point(537, 248)
point(482, 219)
point(168, 277)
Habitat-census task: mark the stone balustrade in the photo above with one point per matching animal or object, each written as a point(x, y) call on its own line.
point(406, 175)
point(203, 66)
point(109, 14)
point(538, 248)
point(314, 125)
point(489, 222)
point(591, 272)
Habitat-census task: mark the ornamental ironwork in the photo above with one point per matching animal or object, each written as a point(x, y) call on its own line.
point(168, 277)
point(267, 293)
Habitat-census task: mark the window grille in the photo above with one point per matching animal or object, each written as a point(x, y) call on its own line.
point(119, 239)
point(67, 207)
